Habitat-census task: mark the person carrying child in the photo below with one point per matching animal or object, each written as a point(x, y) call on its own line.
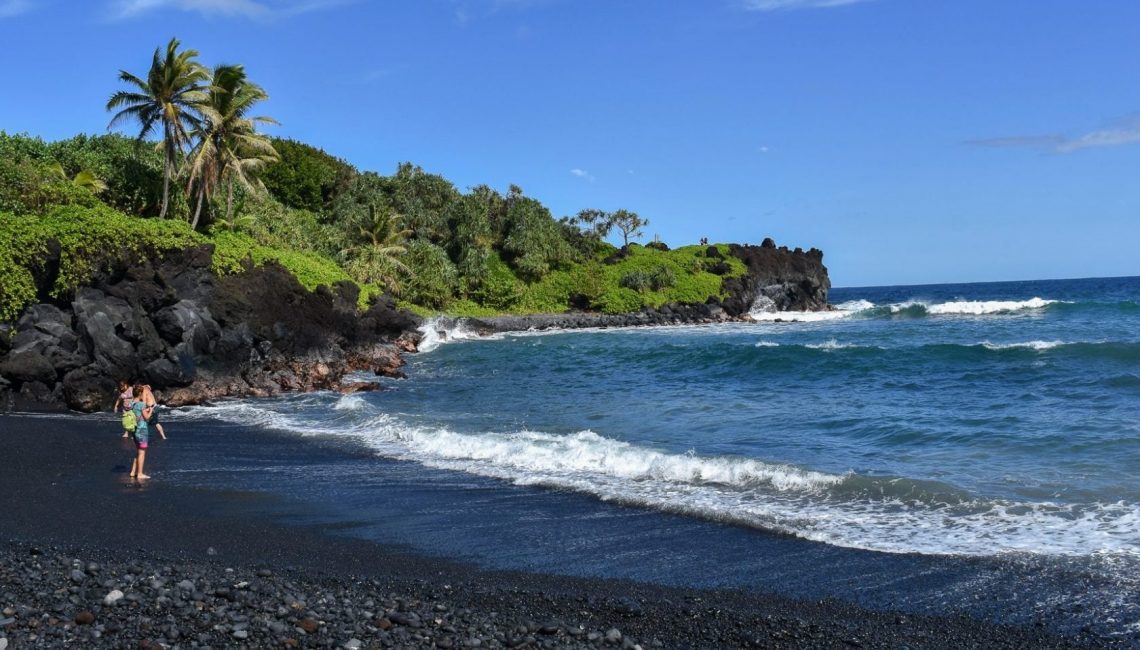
point(150, 401)
point(141, 433)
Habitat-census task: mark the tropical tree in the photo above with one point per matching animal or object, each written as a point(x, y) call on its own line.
point(374, 256)
point(597, 224)
point(629, 223)
point(229, 149)
point(168, 99)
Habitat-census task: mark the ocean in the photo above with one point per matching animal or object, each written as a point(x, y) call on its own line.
point(958, 448)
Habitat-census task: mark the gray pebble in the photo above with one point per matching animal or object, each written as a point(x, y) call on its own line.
point(613, 635)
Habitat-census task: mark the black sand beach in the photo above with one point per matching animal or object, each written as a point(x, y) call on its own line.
point(198, 568)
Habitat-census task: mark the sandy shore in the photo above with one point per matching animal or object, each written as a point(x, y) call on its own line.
point(200, 568)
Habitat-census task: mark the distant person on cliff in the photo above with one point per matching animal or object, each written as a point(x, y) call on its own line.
point(123, 401)
point(141, 432)
point(152, 420)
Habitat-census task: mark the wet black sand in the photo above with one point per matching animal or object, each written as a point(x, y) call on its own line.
point(208, 568)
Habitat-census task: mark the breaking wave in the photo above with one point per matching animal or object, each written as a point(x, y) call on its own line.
point(883, 513)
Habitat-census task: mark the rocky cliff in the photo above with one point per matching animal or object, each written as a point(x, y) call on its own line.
point(194, 336)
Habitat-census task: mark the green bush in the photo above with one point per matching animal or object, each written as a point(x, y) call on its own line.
point(132, 170)
point(90, 239)
point(31, 181)
point(306, 177)
point(637, 279)
point(500, 288)
point(232, 251)
point(434, 279)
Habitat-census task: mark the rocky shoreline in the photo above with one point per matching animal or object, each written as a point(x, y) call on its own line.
point(170, 321)
point(194, 336)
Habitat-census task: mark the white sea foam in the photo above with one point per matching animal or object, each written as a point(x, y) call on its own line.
point(797, 316)
point(829, 345)
point(854, 306)
point(744, 491)
point(1040, 346)
point(767, 344)
point(764, 311)
point(437, 331)
point(349, 403)
point(979, 308)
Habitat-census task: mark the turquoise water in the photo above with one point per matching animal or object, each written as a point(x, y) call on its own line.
point(982, 421)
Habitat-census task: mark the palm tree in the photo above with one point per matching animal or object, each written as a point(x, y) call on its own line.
point(379, 244)
point(168, 97)
point(229, 149)
point(83, 178)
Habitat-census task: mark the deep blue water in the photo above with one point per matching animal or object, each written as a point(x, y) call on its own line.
point(964, 426)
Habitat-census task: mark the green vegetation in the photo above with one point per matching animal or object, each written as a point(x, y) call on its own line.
point(90, 239)
point(212, 178)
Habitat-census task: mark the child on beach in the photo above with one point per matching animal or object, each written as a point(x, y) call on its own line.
point(141, 433)
point(152, 403)
point(123, 401)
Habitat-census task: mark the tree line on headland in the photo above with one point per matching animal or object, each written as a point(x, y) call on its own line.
point(198, 169)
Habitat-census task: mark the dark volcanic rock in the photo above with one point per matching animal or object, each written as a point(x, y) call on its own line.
point(27, 366)
point(781, 279)
point(193, 336)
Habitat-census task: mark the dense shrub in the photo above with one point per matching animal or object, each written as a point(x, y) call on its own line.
point(534, 245)
point(31, 181)
point(132, 170)
point(433, 279)
point(306, 177)
point(90, 239)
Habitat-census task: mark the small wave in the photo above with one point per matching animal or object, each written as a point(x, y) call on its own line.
point(829, 345)
point(1039, 346)
point(349, 403)
point(767, 344)
point(979, 308)
point(797, 316)
point(440, 330)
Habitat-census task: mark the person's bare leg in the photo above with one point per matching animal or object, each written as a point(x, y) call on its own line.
point(160, 431)
point(142, 461)
point(135, 466)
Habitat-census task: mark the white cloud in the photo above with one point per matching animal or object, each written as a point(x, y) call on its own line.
point(1124, 131)
point(226, 8)
point(10, 8)
point(582, 173)
point(788, 5)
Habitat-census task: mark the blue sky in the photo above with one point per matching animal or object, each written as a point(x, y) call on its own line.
point(913, 141)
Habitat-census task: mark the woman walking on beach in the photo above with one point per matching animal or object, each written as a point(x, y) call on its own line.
point(141, 432)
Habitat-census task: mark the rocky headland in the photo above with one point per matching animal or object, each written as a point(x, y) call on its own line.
point(170, 321)
point(778, 279)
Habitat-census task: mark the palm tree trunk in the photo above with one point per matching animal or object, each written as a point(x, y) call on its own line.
point(198, 210)
point(230, 200)
point(165, 189)
point(167, 168)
